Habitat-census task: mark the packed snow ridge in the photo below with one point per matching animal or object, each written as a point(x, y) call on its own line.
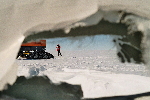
point(20, 19)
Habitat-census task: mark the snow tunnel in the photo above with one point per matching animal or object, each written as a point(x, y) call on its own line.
point(49, 19)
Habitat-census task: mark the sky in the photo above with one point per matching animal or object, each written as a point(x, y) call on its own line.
point(96, 42)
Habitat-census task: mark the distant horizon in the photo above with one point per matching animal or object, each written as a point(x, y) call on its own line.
point(96, 42)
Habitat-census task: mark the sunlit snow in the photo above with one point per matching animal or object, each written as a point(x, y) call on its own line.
point(22, 18)
point(99, 72)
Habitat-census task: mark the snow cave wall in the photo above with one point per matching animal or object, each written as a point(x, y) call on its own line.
point(20, 19)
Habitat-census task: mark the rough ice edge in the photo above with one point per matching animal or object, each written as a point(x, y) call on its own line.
point(8, 35)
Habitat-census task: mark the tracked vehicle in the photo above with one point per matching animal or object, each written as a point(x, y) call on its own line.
point(34, 50)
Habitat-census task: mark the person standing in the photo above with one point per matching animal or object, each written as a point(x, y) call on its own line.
point(58, 49)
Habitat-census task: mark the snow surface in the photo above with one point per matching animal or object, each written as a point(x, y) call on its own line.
point(20, 18)
point(98, 72)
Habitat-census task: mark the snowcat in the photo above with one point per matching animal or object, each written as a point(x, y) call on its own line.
point(34, 50)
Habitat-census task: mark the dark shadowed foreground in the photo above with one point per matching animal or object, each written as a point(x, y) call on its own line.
point(41, 88)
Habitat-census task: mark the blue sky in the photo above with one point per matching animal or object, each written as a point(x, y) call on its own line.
point(97, 42)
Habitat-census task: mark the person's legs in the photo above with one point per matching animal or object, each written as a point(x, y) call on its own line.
point(58, 52)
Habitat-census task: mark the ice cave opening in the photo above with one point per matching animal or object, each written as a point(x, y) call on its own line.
point(128, 40)
point(125, 58)
point(80, 74)
point(127, 47)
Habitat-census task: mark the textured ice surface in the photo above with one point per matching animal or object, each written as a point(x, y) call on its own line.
point(98, 72)
point(21, 18)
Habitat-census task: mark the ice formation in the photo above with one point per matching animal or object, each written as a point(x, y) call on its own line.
point(21, 18)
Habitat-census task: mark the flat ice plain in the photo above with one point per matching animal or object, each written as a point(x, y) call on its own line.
point(99, 72)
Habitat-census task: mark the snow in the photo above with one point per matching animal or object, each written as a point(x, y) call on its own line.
point(98, 72)
point(21, 18)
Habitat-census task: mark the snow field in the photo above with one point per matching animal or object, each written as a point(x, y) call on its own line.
point(104, 61)
point(99, 73)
